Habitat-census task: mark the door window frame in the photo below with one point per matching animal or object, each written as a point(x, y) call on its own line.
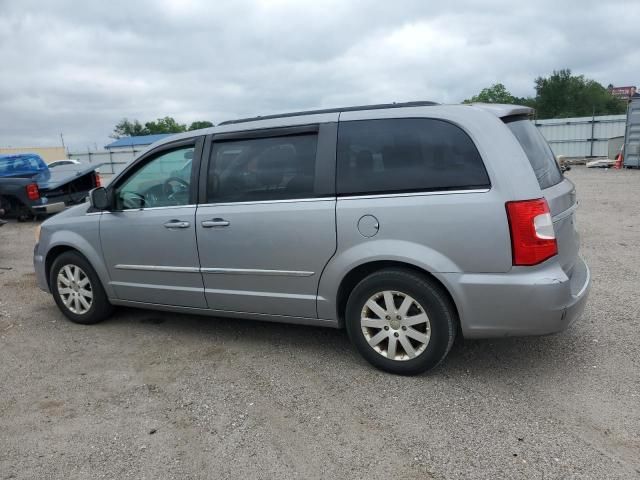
point(324, 180)
point(144, 159)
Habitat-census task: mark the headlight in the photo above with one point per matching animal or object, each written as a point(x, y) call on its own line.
point(37, 233)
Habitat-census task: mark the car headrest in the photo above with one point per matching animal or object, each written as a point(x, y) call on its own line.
point(272, 165)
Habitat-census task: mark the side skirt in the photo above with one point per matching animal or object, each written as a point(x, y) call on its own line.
point(319, 322)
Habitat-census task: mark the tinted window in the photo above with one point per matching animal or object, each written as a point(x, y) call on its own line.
point(538, 151)
point(163, 181)
point(401, 155)
point(262, 169)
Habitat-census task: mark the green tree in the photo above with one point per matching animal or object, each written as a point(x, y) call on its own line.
point(164, 125)
point(127, 128)
point(496, 93)
point(559, 95)
point(565, 95)
point(200, 124)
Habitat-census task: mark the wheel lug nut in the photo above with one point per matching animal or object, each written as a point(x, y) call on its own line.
point(404, 327)
point(386, 327)
point(396, 334)
point(398, 317)
point(388, 317)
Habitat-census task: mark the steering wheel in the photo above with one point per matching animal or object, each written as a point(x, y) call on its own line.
point(167, 188)
point(135, 200)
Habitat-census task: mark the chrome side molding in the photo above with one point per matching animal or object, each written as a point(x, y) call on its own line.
point(214, 271)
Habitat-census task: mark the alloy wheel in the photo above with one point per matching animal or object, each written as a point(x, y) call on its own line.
point(74, 288)
point(395, 325)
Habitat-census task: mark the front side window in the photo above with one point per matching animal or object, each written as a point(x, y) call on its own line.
point(163, 181)
point(262, 169)
point(405, 155)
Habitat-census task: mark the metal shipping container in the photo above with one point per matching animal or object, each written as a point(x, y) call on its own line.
point(632, 141)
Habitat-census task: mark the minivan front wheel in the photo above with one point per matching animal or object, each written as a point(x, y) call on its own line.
point(77, 290)
point(400, 321)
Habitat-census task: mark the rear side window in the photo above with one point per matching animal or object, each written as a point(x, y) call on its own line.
point(404, 155)
point(538, 152)
point(262, 169)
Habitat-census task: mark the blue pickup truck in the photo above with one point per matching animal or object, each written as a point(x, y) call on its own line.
point(28, 187)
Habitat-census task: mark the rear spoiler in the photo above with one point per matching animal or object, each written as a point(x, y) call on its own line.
point(502, 110)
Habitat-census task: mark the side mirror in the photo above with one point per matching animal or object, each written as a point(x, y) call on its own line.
point(99, 198)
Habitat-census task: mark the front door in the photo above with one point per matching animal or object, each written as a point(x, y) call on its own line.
point(149, 237)
point(267, 228)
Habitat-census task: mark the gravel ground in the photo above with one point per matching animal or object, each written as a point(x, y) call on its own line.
point(158, 395)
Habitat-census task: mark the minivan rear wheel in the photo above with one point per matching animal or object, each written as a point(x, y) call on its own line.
point(77, 290)
point(400, 321)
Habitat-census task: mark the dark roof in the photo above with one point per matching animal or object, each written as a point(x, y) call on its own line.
point(137, 141)
point(332, 110)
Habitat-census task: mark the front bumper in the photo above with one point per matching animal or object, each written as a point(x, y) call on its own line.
point(39, 267)
point(526, 301)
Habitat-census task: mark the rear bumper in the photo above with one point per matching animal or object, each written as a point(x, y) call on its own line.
point(525, 301)
point(49, 208)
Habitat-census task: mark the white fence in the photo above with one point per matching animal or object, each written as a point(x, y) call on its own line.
point(582, 136)
point(111, 162)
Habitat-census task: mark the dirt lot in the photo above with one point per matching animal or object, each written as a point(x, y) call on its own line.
point(157, 395)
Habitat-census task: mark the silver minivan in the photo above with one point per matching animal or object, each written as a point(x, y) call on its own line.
point(407, 224)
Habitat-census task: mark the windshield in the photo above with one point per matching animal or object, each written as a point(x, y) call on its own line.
point(538, 152)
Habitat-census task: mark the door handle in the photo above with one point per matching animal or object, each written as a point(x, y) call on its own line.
point(216, 222)
point(176, 224)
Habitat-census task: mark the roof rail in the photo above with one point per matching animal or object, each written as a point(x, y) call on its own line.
point(332, 110)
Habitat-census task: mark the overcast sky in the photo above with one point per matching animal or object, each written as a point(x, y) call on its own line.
point(79, 67)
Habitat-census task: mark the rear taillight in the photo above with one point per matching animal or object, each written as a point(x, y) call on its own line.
point(33, 193)
point(96, 180)
point(533, 239)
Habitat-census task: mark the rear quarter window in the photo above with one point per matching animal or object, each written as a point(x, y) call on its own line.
point(540, 156)
point(405, 155)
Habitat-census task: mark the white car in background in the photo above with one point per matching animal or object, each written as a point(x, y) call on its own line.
point(66, 161)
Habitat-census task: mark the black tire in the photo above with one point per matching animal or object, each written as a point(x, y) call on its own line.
point(100, 308)
point(431, 299)
point(23, 214)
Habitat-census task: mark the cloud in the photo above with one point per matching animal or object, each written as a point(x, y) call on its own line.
point(78, 68)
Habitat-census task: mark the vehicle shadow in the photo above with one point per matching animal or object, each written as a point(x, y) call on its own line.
point(491, 357)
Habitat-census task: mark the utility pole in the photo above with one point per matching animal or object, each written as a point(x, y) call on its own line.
point(63, 146)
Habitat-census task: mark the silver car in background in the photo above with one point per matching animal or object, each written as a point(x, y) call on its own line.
point(407, 224)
